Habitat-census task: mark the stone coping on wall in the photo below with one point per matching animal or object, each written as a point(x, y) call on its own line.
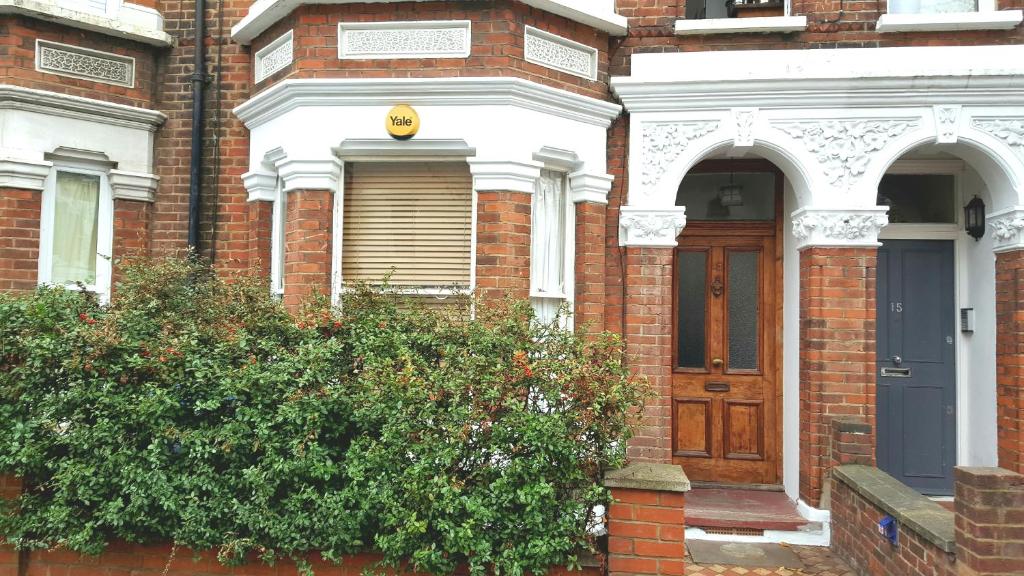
point(911, 510)
point(645, 476)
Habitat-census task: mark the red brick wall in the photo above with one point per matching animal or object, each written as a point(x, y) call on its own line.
point(649, 345)
point(260, 231)
point(856, 540)
point(131, 230)
point(497, 36)
point(989, 521)
point(18, 36)
point(1010, 358)
point(590, 263)
point(20, 211)
point(837, 352)
point(615, 260)
point(645, 532)
point(503, 244)
point(307, 250)
point(851, 443)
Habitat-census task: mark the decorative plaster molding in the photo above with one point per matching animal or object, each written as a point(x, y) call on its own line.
point(307, 174)
point(838, 226)
point(275, 56)
point(1007, 229)
point(416, 39)
point(744, 119)
point(558, 159)
point(504, 176)
point(261, 186)
point(452, 91)
point(664, 142)
point(23, 173)
point(844, 148)
point(133, 185)
point(651, 227)
point(78, 62)
point(54, 104)
point(1009, 130)
point(562, 54)
point(592, 188)
point(947, 123)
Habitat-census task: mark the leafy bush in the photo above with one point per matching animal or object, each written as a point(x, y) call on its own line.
point(198, 411)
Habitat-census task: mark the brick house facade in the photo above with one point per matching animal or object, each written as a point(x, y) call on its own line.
point(769, 209)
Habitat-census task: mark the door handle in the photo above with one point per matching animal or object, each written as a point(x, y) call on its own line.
point(716, 362)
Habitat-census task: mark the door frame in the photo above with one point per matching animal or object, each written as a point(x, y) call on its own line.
point(717, 227)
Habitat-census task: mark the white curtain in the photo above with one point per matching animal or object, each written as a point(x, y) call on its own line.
point(547, 257)
point(75, 228)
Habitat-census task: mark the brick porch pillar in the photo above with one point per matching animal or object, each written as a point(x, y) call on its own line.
point(838, 253)
point(1009, 248)
point(21, 201)
point(649, 238)
point(590, 194)
point(989, 521)
point(262, 193)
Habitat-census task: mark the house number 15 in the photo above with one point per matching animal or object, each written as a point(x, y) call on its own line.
point(896, 306)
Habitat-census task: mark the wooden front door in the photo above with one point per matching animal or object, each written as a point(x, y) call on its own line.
point(724, 391)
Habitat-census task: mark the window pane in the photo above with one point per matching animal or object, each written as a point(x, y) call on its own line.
point(692, 270)
point(743, 310)
point(931, 6)
point(75, 228)
point(918, 199)
point(725, 196)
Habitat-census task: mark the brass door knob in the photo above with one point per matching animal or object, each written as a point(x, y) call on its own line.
point(716, 362)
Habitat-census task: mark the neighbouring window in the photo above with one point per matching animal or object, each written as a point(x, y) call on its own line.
point(410, 222)
point(77, 230)
point(708, 9)
point(931, 6)
point(550, 255)
point(919, 198)
point(278, 216)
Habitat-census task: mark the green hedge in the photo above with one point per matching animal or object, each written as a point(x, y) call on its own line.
point(197, 410)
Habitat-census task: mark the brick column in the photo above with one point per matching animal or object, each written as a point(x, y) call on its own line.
point(503, 244)
point(307, 245)
point(837, 331)
point(590, 194)
point(20, 213)
point(261, 226)
point(646, 519)
point(1010, 358)
point(989, 522)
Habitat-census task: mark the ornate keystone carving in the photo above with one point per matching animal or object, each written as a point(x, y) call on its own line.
point(1007, 229)
point(947, 124)
point(844, 148)
point(838, 227)
point(663, 142)
point(744, 118)
point(650, 227)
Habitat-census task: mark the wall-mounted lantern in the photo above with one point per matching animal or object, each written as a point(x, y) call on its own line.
point(974, 218)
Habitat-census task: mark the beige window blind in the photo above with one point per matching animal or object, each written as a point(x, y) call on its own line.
point(412, 217)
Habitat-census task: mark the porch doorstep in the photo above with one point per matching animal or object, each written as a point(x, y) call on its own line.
point(741, 512)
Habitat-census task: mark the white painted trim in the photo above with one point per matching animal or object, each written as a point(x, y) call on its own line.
point(391, 150)
point(592, 188)
point(306, 174)
point(486, 91)
point(285, 40)
point(761, 24)
point(838, 227)
point(533, 35)
point(278, 229)
point(950, 21)
point(813, 514)
point(23, 173)
point(133, 185)
point(655, 227)
point(40, 44)
point(147, 33)
point(265, 13)
point(54, 104)
point(558, 159)
point(504, 176)
point(261, 186)
point(464, 26)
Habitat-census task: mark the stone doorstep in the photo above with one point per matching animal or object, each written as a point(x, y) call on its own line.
point(737, 508)
point(658, 477)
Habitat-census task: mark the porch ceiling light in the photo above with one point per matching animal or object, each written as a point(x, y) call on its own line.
point(974, 218)
point(731, 194)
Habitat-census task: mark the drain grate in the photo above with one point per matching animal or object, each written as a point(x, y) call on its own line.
point(732, 531)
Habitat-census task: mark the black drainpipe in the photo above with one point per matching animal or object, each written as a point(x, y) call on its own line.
point(196, 166)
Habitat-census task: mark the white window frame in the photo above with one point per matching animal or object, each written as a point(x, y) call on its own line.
point(277, 238)
point(763, 24)
point(987, 16)
point(105, 227)
point(568, 294)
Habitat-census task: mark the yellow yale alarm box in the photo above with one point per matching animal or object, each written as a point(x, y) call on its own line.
point(402, 122)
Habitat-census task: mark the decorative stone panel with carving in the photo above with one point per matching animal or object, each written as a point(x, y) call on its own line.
point(560, 54)
point(844, 148)
point(664, 142)
point(77, 62)
point(388, 40)
point(838, 226)
point(274, 57)
point(1007, 229)
point(1009, 130)
point(650, 227)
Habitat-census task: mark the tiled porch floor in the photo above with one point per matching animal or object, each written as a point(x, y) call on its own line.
point(817, 560)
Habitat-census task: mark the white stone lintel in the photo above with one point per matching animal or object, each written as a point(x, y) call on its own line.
point(591, 188)
point(23, 173)
point(137, 186)
point(839, 227)
point(653, 227)
point(1007, 229)
point(504, 176)
point(261, 186)
point(311, 174)
point(950, 21)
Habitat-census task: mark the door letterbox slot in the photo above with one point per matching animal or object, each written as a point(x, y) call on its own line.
point(896, 372)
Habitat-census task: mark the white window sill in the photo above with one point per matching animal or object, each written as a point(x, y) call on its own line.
point(132, 22)
point(762, 24)
point(948, 22)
